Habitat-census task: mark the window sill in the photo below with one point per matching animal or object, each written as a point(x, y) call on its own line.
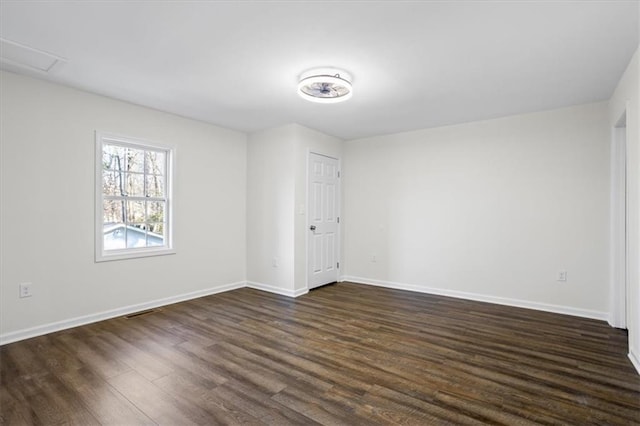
point(133, 254)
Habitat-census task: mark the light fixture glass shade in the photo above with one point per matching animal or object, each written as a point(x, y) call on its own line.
point(325, 87)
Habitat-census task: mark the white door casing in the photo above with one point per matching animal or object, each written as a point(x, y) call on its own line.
point(619, 298)
point(323, 241)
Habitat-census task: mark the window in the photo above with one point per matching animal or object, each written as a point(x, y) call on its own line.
point(133, 198)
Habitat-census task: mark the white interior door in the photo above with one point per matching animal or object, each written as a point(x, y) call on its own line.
point(324, 220)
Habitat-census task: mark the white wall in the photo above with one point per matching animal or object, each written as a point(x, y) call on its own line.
point(627, 96)
point(270, 209)
point(489, 210)
point(276, 205)
point(47, 220)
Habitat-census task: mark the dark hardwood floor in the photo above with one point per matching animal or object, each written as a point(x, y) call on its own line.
point(343, 354)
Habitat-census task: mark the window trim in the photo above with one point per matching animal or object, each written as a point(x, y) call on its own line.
point(132, 253)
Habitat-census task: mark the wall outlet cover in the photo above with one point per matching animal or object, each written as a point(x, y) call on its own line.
point(25, 290)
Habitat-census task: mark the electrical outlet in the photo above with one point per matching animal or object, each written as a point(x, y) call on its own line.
point(25, 290)
point(373, 258)
point(562, 276)
point(274, 262)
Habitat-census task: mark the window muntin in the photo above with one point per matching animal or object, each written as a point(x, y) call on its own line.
point(133, 204)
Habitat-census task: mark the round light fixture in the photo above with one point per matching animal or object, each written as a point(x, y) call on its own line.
point(326, 86)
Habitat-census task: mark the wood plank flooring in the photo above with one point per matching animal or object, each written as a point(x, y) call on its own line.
point(343, 354)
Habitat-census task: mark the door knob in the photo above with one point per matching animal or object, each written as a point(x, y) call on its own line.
point(312, 227)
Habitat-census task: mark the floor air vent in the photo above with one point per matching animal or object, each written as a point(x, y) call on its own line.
point(137, 314)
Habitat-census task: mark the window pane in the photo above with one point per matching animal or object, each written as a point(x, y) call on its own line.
point(114, 236)
point(155, 186)
point(135, 185)
point(135, 160)
point(156, 228)
point(156, 211)
point(135, 212)
point(112, 212)
point(112, 183)
point(113, 157)
point(156, 162)
point(136, 237)
point(155, 235)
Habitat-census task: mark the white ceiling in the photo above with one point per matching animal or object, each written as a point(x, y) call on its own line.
point(415, 64)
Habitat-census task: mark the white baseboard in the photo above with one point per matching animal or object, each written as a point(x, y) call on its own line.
point(112, 313)
point(277, 290)
point(300, 292)
point(635, 360)
point(558, 309)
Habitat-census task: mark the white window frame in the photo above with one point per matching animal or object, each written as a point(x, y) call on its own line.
point(102, 255)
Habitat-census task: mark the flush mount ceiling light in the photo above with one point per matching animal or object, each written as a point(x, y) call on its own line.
point(325, 85)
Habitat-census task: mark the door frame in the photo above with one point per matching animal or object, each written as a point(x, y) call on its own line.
point(339, 214)
point(619, 226)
